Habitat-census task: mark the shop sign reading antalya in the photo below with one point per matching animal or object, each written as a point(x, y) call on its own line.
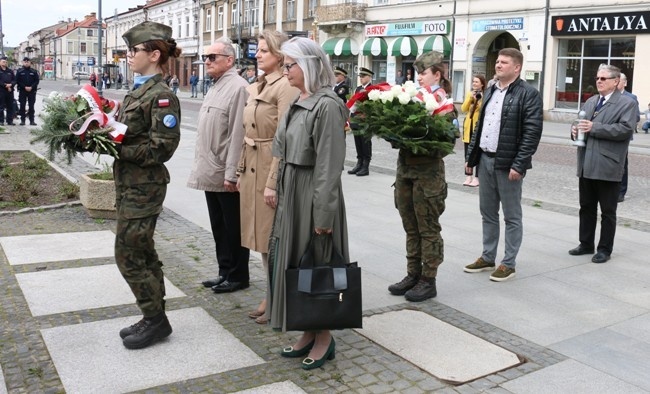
point(408, 28)
point(592, 24)
point(498, 24)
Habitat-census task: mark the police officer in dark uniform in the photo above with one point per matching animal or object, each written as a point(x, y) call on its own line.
point(6, 92)
point(363, 145)
point(27, 81)
point(341, 88)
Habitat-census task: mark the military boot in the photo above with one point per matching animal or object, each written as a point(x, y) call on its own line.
point(356, 168)
point(406, 284)
point(132, 329)
point(148, 332)
point(364, 170)
point(423, 290)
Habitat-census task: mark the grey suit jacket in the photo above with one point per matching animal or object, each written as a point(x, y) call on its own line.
point(604, 156)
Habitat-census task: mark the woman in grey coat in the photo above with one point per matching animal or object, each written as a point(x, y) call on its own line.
point(310, 142)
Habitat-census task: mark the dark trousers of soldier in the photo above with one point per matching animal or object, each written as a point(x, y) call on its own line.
point(364, 148)
point(6, 104)
point(593, 193)
point(30, 98)
point(138, 262)
point(420, 193)
point(223, 208)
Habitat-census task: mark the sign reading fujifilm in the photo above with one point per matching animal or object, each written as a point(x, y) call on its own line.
point(593, 24)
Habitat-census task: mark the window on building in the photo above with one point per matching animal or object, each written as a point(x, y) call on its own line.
point(70, 47)
point(251, 12)
point(90, 33)
point(95, 48)
point(291, 10)
point(220, 18)
point(187, 26)
point(578, 62)
point(312, 8)
point(270, 15)
point(234, 16)
point(180, 22)
point(208, 19)
point(82, 47)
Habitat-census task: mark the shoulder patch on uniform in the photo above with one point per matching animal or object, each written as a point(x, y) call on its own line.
point(162, 103)
point(170, 121)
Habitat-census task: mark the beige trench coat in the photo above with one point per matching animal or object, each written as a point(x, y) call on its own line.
point(268, 100)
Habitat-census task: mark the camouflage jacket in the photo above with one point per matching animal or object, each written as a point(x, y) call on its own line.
point(153, 116)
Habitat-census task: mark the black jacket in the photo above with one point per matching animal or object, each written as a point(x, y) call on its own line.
point(521, 128)
point(27, 77)
point(6, 76)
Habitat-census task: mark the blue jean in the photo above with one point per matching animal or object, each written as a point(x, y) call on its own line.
point(194, 91)
point(496, 189)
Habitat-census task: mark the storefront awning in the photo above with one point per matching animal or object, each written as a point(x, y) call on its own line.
point(436, 43)
point(375, 46)
point(404, 46)
point(341, 46)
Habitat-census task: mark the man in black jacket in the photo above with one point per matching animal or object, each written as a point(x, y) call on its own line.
point(6, 92)
point(27, 82)
point(505, 139)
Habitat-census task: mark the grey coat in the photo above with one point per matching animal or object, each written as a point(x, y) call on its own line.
point(604, 156)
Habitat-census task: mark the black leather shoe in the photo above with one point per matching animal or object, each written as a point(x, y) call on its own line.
point(580, 250)
point(600, 258)
point(228, 287)
point(356, 168)
point(10, 124)
point(22, 123)
point(33, 124)
point(213, 282)
point(148, 333)
point(621, 198)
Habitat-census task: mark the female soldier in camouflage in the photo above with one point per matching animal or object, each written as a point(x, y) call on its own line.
point(152, 113)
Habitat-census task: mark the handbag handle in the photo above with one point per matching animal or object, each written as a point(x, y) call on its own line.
point(336, 264)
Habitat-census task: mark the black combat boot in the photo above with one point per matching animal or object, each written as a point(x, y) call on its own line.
point(356, 168)
point(423, 290)
point(364, 170)
point(148, 332)
point(406, 284)
point(132, 329)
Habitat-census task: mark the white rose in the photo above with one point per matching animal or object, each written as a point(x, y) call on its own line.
point(374, 95)
point(404, 98)
point(397, 89)
point(411, 89)
point(409, 83)
point(431, 105)
point(54, 94)
point(386, 97)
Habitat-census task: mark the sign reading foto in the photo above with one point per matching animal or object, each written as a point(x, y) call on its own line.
point(599, 24)
point(408, 28)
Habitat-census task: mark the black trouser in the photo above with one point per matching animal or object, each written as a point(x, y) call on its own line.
point(6, 103)
point(364, 147)
point(624, 180)
point(30, 98)
point(223, 208)
point(593, 193)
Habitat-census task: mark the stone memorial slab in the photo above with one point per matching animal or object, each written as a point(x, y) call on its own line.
point(444, 351)
point(43, 248)
point(76, 289)
point(90, 357)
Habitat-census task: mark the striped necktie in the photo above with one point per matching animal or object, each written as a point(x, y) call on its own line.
point(600, 104)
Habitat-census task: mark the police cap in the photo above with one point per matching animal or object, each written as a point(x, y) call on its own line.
point(146, 31)
point(427, 60)
point(365, 71)
point(26, 59)
point(339, 70)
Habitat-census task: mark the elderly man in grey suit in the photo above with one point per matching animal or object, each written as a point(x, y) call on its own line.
point(609, 124)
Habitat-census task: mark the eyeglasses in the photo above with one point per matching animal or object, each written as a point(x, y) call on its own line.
point(212, 57)
point(134, 50)
point(288, 66)
point(603, 79)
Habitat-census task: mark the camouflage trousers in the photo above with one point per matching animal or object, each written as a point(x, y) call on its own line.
point(420, 193)
point(135, 254)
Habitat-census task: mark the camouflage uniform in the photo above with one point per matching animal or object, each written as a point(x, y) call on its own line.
point(420, 192)
point(152, 113)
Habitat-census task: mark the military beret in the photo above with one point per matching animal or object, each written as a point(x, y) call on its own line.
point(365, 71)
point(26, 59)
point(427, 60)
point(146, 31)
point(339, 70)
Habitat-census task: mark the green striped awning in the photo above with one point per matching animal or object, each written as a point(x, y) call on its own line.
point(404, 46)
point(375, 46)
point(436, 43)
point(340, 46)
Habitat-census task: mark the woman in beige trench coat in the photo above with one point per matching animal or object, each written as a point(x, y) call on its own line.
point(269, 98)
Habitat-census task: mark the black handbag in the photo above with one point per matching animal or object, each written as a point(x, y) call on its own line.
point(323, 296)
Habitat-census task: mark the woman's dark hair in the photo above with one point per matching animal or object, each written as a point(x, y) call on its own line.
point(167, 49)
point(444, 82)
point(481, 78)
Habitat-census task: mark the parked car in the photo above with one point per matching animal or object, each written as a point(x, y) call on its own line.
point(81, 75)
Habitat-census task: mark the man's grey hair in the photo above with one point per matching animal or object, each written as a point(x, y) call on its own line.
point(312, 61)
point(614, 72)
point(228, 49)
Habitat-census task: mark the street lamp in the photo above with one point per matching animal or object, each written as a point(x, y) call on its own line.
point(78, 55)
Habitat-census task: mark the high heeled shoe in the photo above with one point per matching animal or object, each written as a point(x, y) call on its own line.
point(309, 363)
point(291, 352)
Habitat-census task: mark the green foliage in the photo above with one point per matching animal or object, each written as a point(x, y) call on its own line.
point(69, 190)
point(407, 126)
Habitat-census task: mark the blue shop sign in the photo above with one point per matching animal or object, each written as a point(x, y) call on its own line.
point(498, 24)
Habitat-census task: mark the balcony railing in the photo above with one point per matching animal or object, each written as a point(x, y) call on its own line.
point(343, 13)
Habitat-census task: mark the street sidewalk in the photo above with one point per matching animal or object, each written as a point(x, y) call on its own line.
point(578, 326)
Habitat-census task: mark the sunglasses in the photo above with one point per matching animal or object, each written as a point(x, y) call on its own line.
point(603, 79)
point(212, 57)
point(134, 50)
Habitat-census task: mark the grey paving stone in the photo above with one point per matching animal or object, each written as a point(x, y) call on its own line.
point(275, 388)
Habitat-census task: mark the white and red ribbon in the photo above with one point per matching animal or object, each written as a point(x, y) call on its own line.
point(97, 114)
